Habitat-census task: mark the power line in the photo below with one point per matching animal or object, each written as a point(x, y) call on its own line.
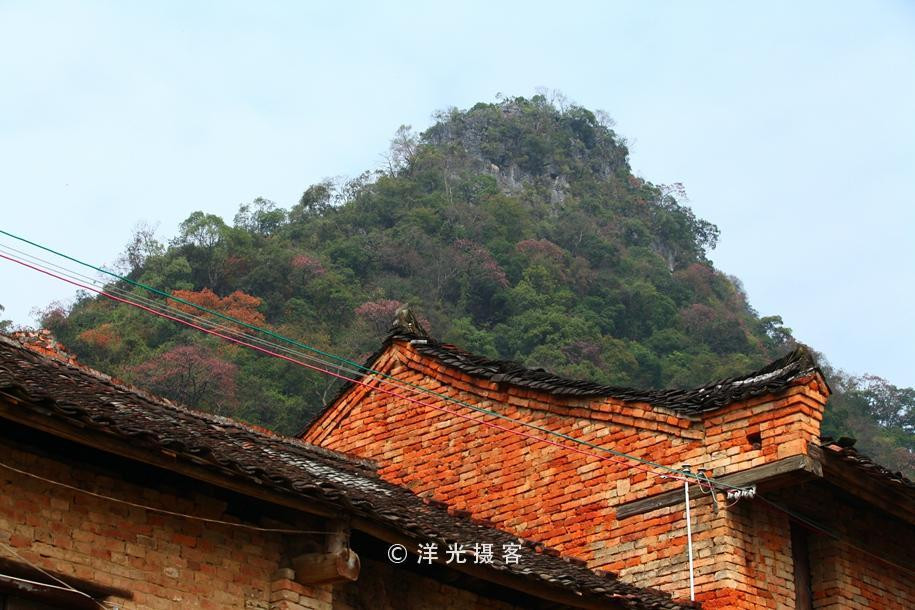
point(813, 525)
point(166, 307)
point(66, 585)
point(678, 475)
point(186, 302)
point(700, 477)
point(402, 383)
point(269, 530)
point(152, 304)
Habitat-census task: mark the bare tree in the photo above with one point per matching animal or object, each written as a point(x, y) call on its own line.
point(402, 149)
point(142, 245)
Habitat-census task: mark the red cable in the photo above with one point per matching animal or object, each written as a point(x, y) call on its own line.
point(463, 416)
point(331, 373)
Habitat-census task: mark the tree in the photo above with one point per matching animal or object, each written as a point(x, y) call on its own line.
point(261, 217)
point(238, 305)
point(5, 325)
point(201, 230)
point(193, 375)
point(142, 246)
point(880, 415)
point(102, 337)
point(774, 328)
point(402, 149)
point(204, 239)
point(680, 237)
point(378, 315)
point(316, 200)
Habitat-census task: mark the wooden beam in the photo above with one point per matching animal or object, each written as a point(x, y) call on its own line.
point(326, 568)
point(17, 577)
point(338, 564)
point(892, 499)
point(55, 595)
point(784, 471)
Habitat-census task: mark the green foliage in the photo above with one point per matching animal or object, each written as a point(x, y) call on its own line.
point(5, 325)
point(260, 217)
point(517, 228)
point(878, 414)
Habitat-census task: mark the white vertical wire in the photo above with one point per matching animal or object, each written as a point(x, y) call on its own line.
point(689, 544)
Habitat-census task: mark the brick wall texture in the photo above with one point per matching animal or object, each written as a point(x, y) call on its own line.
point(566, 500)
point(172, 562)
point(167, 562)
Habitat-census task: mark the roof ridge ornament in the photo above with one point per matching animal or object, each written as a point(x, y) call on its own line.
point(405, 321)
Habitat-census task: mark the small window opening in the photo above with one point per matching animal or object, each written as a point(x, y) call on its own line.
point(755, 440)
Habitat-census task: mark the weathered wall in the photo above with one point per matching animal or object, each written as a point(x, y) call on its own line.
point(565, 499)
point(167, 562)
point(174, 562)
point(847, 580)
point(864, 564)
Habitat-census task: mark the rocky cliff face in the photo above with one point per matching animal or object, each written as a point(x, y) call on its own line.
point(523, 143)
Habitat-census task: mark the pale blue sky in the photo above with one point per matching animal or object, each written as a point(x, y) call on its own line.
point(791, 124)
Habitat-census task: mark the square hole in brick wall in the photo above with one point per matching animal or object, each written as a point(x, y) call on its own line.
point(755, 440)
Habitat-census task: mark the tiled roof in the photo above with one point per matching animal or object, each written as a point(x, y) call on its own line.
point(867, 466)
point(770, 379)
point(92, 400)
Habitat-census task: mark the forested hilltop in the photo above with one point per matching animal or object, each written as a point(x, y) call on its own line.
point(516, 229)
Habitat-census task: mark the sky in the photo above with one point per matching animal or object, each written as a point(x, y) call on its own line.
point(790, 124)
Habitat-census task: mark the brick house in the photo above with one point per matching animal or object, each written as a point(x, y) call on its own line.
point(114, 498)
point(827, 528)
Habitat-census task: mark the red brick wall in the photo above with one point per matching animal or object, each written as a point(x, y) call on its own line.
point(742, 555)
point(566, 499)
point(863, 565)
point(167, 562)
point(848, 580)
point(172, 562)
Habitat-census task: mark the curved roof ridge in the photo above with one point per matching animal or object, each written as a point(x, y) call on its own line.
point(774, 377)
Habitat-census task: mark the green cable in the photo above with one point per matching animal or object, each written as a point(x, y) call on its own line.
point(180, 300)
point(363, 367)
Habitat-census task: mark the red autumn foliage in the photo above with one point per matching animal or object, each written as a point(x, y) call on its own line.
point(697, 318)
point(53, 315)
point(541, 249)
point(700, 279)
point(307, 264)
point(378, 314)
point(559, 262)
point(236, 305)
point(475, 258)
point(101, 337)
point(720, 329)
point(192, 375)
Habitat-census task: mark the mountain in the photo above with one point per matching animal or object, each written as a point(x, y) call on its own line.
point(515, 229)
